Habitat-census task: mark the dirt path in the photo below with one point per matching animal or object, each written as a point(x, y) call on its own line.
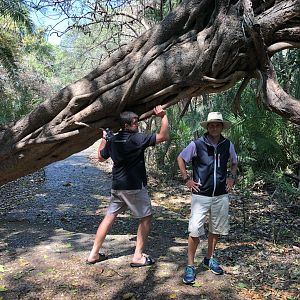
point(47, 230)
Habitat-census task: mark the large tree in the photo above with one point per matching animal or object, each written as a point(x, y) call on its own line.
point(201, 47)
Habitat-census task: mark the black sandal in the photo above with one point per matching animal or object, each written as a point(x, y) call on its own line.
point(102, 257)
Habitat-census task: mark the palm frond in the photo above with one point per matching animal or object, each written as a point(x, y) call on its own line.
point(7, 60)
point(18, 12)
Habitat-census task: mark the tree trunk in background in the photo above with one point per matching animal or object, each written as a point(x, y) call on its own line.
point(201, 47)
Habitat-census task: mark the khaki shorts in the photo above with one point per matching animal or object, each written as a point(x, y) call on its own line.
point(137, 201)
point(218, 209)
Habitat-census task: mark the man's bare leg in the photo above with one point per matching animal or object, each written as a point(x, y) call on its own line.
point(212, 242)
point(141, 239)
point(192, 247)
point(102, 231)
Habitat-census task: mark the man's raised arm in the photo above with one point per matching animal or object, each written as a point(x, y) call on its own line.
point(163, 134)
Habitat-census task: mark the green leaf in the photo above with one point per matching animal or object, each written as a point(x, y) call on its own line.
point(128, 295)
point(50, 270)
point(18, 276)
point(68, 245)
point(197, 284)
point(3, 288)
point(74, 291)
point(2, 270)
point(242, 285)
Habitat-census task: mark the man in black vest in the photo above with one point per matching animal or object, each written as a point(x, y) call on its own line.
point(126, 150)
point(209, 185)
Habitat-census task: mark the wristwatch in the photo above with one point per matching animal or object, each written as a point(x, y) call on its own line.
point(229, 174)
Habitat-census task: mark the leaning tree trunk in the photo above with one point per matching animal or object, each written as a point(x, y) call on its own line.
point(203, 46)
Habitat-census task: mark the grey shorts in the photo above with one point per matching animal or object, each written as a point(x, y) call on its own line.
point(218, 209)
point(137, 201)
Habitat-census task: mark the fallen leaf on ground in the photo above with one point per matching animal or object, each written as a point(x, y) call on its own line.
point(128, 295)
point(23, 262)
point(18, 276)
point(3, 288)
point(242, 285)
point(197, 284)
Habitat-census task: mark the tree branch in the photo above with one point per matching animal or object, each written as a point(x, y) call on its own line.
point(281, 46)
point(278, 100)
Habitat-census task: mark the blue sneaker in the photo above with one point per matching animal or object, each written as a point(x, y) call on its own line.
point(213, 265)
point(189, 275)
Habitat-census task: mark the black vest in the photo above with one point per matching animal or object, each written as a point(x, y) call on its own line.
point(210, 166)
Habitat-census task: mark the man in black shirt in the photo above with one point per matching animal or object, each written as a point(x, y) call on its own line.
point(126, 150)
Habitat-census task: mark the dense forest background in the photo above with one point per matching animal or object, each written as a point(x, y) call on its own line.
point(32, 68)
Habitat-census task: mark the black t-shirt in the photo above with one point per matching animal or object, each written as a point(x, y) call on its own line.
point(126, 149)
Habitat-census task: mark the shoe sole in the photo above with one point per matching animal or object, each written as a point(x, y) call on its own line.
point(192, 282)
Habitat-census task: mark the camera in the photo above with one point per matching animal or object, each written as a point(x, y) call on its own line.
point(109, 134)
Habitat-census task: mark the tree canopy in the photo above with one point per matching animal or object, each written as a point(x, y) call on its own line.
point(201, 47)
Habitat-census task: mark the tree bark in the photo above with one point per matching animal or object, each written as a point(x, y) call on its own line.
point(201, 47)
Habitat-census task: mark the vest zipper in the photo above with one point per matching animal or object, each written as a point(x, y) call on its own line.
point(215, 171)
point(215, 162)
